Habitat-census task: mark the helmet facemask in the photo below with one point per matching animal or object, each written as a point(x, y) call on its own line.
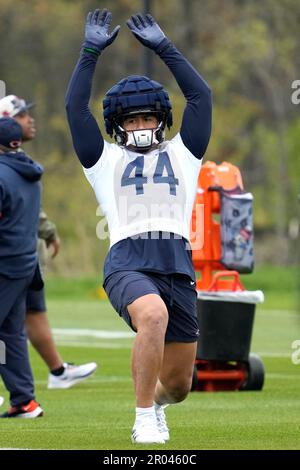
point(140, 139)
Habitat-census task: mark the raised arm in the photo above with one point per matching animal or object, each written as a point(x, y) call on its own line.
point(196, 122)
point(87, 139)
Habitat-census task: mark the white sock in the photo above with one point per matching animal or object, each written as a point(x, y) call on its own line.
point(141, 413)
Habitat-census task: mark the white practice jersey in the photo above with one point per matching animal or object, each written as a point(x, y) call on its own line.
point(148, 192)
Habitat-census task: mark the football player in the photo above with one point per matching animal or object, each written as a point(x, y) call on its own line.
point(146, 188)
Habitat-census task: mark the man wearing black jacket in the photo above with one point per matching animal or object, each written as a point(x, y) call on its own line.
point(19, 215)
point(62, 375)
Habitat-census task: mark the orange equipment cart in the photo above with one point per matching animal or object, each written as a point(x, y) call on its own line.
point(225, 318)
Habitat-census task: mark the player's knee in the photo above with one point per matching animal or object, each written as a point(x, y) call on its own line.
point(155, 317)
point(179, 390)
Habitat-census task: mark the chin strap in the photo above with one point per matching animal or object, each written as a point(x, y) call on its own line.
point(142, 138)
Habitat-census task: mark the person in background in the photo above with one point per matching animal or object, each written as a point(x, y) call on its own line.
point(19, 216)
point(62, 375)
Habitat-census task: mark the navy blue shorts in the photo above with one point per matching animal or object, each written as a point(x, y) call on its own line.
point(176, 290)
point(35, 301)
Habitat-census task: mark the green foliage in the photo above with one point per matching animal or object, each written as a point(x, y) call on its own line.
point(247, 51)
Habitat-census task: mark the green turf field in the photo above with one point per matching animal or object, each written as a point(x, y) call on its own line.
point(99, 413)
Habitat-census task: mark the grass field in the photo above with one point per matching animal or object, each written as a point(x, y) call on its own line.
point(99, 413)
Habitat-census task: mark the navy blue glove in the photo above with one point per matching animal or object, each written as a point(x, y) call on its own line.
point(147, 31)
point(97, 36)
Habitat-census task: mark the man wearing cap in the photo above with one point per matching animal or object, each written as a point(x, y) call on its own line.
point(19, 215)
point(61, 374)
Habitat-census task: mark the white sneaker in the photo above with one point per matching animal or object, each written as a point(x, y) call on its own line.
point(146, 432)
point(1, 401)
point(161, 421)
point(72, 375)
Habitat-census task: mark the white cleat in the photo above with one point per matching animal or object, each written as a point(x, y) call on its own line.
point(146, 432)
point(161, 421)
point(72, 375)
point(1, 401)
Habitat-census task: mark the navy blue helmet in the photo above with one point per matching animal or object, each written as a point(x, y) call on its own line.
point(136, 94)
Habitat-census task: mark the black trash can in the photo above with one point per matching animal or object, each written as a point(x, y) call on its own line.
point(225, 328)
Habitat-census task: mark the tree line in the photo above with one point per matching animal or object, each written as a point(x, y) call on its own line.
point(246, 51)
